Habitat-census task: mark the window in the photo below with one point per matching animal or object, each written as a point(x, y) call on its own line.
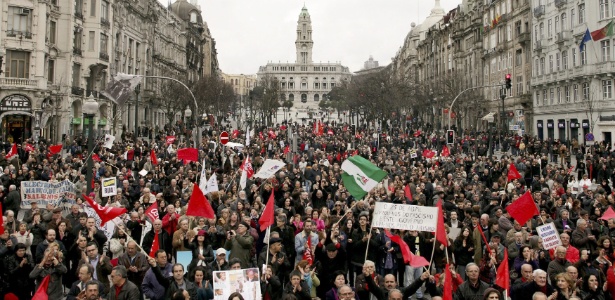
point(518, 58)
point(537, 98)
point(316, 85)
point(519, 85)
point(77, 39)
point(574, 56)
point(104, 10)
point(544, 97)
point(76, 75)
point(17, 64)
point(52, 32)
point(567, 93)
point(572, 18)
point(78, 7)
point(324, 85)
point(552, 96)
point(585, 91)
point(93, 8)
point(607, 89)
point(19, 22)
point(564, 21)
point(606, 50)
point(536, 67)
point(50, 70)
point(91, 40)
point(581, 13)
point(557, 62)
point(584, 56)
point(542, 30)
point(575, 93)
point(550, 63)
point(556, 24)
point(542, 66)
point(559, 96)
point(604, 9)
point(564, 60)
point(550, 28)
point(104, 39)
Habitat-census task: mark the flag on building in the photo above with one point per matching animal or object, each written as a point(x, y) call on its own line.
point(586, 38)
point(360, 176)
point(603, 32)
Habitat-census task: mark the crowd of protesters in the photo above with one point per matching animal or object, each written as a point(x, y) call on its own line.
point(312, 204)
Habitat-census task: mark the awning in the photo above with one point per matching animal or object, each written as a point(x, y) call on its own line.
point(489, 117)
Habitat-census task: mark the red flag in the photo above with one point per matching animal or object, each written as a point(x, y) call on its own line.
point(570, 169)
point(484, 238)
point(513, 173)
point(106, 213)
point(198, 205)
point(41, 292)
point(235, 134)
point(448, 284)
point(307, 253)
point(96, 158)
point(428, 153)
point(445, 151)
point(417, 133)
point(13, 152)
point(608, 214)
point(170, 139)
point(502, 278)
point(152, 212)
point(271, 134)
point(440, 229)
point(1, 222)
point(260, 136)
point(188, 155)
point(28, 147)
point(155, 245)
point(55, 149)
point(338, 157)
point(418, 261)
point(286, 150)
point(523, 208)
point(405, 250)
point(407, 192)
point(152, 156)
point(355, 152)
point(129, 155)
point(266, 218)
point(330, 132)
point(321, 128)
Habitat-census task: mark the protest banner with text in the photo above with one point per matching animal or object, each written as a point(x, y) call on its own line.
point(404, 216)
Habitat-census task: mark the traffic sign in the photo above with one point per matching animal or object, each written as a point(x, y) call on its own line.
point(223, 137)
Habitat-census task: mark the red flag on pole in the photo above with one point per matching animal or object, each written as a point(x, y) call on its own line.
point(28, 147)
point(307, 254)
point(608, 214)
point(286, 149)
point(484, 238)
point(440, 229)
point(55, 149)
point(405, 250)
point(106, 213)
point(96, 158)
point(12, 153)
point(198, 205)
point(155, 245)
point(41, 292)
point(502, 278)
point(152, 212)
point(523, 208)
point(445, 151)
point(513, 173)
point(266, 218)
point(407, 192)
point(152, 156)
point(448, 284)
point(188, 155)
point(235, 134)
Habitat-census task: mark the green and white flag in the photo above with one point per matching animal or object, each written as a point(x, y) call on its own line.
point(360, 176)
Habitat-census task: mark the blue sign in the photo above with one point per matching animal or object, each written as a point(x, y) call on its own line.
point(589, 137)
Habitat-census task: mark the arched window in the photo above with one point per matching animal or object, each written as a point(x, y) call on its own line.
point(304, 98)
point(316, 98)
point(291, 97)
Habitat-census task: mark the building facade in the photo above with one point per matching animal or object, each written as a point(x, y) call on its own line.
point(305, 82)
point(57, 53)
point(572, 87)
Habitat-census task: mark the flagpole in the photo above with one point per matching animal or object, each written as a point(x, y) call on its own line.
point(368, 238)
point(268, 233)
point(433, 250)
point(128, 237)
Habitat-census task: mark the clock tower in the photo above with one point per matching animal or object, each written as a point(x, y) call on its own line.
point(304, 41)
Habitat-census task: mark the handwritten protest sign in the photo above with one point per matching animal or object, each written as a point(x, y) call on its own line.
point(109, 187)
point(549, 235)
point(404, 216)
point(245, 281)
point(45, 192)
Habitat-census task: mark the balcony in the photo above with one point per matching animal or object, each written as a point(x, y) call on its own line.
point(104, 22)
point(562, 37)
point(19, 34)
point(524, 38)
point(18, 82)
point(539, 45)
point(539, 11)
point(560, 3)
point(104, 56)
point(77, 91)
point(77, 51)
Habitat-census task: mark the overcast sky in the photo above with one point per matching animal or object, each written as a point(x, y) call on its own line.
point(250, 33)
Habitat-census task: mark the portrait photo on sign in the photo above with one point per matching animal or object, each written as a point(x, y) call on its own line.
point(245, 281)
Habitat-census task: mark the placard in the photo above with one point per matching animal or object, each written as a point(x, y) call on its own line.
point(184, 258)
point(109, 187)
point(549, 235)
point(405, 216)
point(244, 281)
point(46, 192)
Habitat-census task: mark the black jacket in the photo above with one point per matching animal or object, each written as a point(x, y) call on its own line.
point(170, 285)
point(526, 290)
point(163, 239)
point(383, 294)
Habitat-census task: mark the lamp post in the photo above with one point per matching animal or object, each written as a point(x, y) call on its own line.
point(137, 91)
point(188, 115)
point(89, 108)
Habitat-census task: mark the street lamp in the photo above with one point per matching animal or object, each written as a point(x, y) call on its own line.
point(187, 114)
point(137, 91)
point(89, 109)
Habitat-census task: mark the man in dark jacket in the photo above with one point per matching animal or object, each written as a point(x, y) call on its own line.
point(122, 288)
point(164, 241)
point(12, 201)
point(473, 289)
point(174, 283)
point(526, 290)
point(390, 284)
point(329, 261)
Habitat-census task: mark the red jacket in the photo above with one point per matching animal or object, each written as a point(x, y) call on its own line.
point(170, 226)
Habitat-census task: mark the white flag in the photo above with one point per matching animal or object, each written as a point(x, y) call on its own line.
point(248, 134)
point(212, 184)
point(121, 87)
point(170, 149)
point(269, 168)
point(203, 179)
point(109, 139)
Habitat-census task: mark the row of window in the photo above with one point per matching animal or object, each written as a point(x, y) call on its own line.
point(570, 93)
point(317, 85)
point(559, 61)
point(303, 68)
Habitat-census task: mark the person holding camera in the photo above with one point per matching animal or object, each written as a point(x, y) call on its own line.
point(240, 244)
point(51, 264)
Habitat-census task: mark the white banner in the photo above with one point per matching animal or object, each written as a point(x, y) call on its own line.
point(269, 168)
point(212, 184)
point(109, 187)
point(549, 235)
point(45, 192)
point(245, 281)
point(405, 216)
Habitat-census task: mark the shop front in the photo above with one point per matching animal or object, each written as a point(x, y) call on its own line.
point(16, 115)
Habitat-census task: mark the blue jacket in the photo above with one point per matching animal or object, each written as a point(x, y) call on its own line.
point(151, 287)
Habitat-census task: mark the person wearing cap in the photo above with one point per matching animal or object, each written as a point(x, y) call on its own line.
point(34, 208)
point(240, 244)
point(332, 258)
point(287, 234)
point(219, 263)
point(202, 252)
point(280, 264)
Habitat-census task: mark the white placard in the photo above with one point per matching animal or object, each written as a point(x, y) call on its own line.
point(109, 187)
point(245, 281)
point(404, 216)
point(549, 235)
point(45, 192)
point(269, 168)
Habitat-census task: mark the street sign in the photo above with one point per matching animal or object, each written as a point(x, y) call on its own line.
point(223, 137)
